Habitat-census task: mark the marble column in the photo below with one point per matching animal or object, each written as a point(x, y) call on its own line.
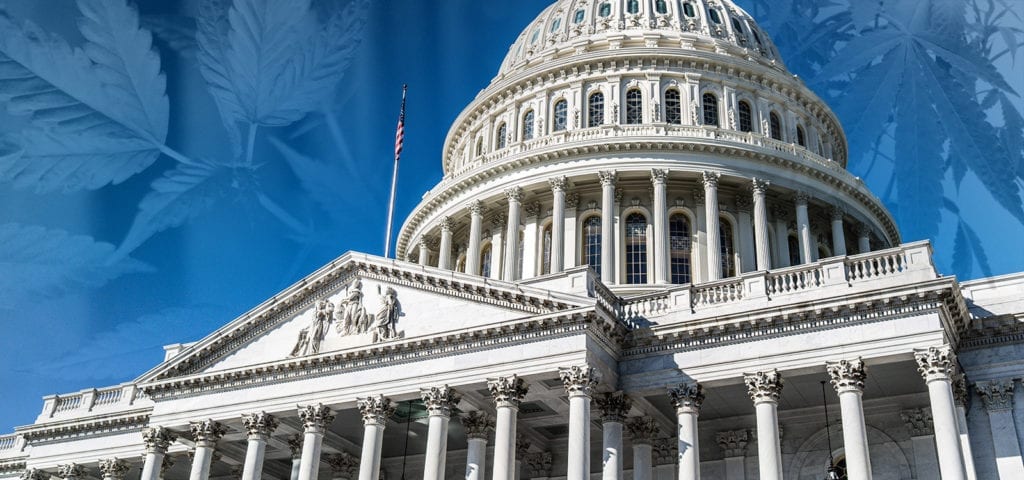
point(69, 471)
point(922, 441)
point(508, 392)
point(511, 267)
point(315, 420)
point(960, 398)
point(205, 434)
point(572, 203)
point(699, 250)
point(734, 446)
point(660, 214)
point(530, 260)
point(607, 227)
point(476, 425)
point(295, 445)
point(614, 407)
point(997, 395)
point(863, 238)
point(114, 468)
point(259, 427)
point(761, 244)
point(803, 227)
point(476, 218)
point(579, 382)
point(344, 466)
point(424, 252)
point(714, 247)
point(375, 411)
point(439, 401)
point(642, 431)
point(558, 187)
point(687, 399)
point(781, 216)
point(444, 256)
point(848, 380)
point(498, 225)
point(745, 234)
point(838, 234)
point(764, 389)
point(936, 365)
point(156, 440)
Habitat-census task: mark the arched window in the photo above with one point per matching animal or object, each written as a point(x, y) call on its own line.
point(519, 255)
point(460, 265)
point(480, 146)
point(776, 125)
point(545, 250)
point(636, 249)
point(839, 466)
point(554, 25)
point(633, 6)
point(688, 10)
point(679, 244)
point(579, 16)
point(710, 102)
point(485, 261)
point(592, 243)
point(757, 38)
point(801, 137)
point(794, 250)
point(502, 136)
point(528, 124)
point(715, 17)
point(634, 107)
point(595, 110)
point(660, 6)
point(673, 107)
point(725, 243)
point(535, 36)
point(561, 115)
point(737, 26)
point(605, 9)
point(746, 125)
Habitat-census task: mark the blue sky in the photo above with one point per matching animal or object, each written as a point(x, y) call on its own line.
point(317, 187)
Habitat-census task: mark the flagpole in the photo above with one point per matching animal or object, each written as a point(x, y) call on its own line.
point(399, 140)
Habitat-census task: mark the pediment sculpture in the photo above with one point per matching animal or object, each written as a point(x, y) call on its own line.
point(350, 318)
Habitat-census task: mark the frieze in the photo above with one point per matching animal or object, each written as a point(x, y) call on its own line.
point(130, 421)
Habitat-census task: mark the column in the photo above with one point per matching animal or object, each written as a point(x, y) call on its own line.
point(295, 445)
point(714, 250)
point(344, 466)
point(205, 434)
point(315, 420)
point(614, 408)
point(838, 235)
point(476, 218)
point(572, 203)
point(745, 234)
point(439, 402)
point(997, 395)
point(781, 217)
point(848, 380)
point(698, 262)
point(922, 440)
point(579, 382)
point(764, 389)
point(607, 226)
point(863, 238)
point(531, 254)
point(375, 411)
point(259, 427)
point(687, 399)
point(734, 446)
point(444, 257)
point(115, 469)
point(511, 270)
point(660, 213)
point(498, 225)
point(558, 187)
point(69, 471)
point(476, 425)
point(936, 365)
point(803, 227)
point(760, 190)
point(960, 397)
point(642, 431)
point(508, 393)
point(424, 252)
point(156, 440)
point(666, 458)
point(165, 466)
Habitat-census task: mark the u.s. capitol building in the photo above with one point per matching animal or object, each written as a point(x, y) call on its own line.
point(644, 259)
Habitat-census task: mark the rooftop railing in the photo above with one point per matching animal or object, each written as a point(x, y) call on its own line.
point(90, 401)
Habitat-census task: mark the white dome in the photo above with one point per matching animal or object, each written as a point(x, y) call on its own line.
point(690, 24)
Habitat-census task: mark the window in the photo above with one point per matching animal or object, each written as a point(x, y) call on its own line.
point(460, 265)
point(776, 126)
point(840, 468)
point(757, 38)
point(579, 16)
point(605, 10)
point(480, 146)
point(746, 116)
point(592, 243)
point(673, 107)
point(679, 244)
point(519, 256)
point(636, 249)
point(595, 110)
point(633, 6)
point(545, 250)
point(725, 243)
point(528, 123)
point(710, 102)
point(554, 25)
point(715, 17)
point(561, 115)
point(634, 107)
point(502, 136)
point(794, 250)
point(737, 26)
point(661, 7)
point(801, 138)
point(688, 10)
point(485, 261)
point(535, 36)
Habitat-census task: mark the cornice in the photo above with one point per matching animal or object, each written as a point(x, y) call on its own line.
point(993, 331)
point(126, 421)
point(13, 465)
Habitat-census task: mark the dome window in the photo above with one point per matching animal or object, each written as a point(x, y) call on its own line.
point(555, 25)
point(710, 103)
point(528, 125)
point(661, 7)
point(679, 243)
point(775, 125)
point(715, 17)
point(561, 115)
point(480, 146)
point(801, 137)
point(595, 110)
point(688, 10)
point(757, 38)
point(545, 249)
point(737, 26)
point(605, 10)
point(725, 243)
point(579, 16)
point(633, 7)
point(502, 136)
point(636, 249)
point(745, 114)
point(485, 261)
point(535, 36)
point(634, 107)
point(673, 107)
point(592, 243)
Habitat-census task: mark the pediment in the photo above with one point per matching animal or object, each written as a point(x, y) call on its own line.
point(361, 302)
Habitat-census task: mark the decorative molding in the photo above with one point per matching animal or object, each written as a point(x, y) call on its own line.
point(997, 395)
point(659, 176)
point(847, 375)
point(508, 391)
point(710, 179)
point(315, 418)
point(687, 397)
point(935, 363)
point(607, 177)
point(642, 430)
point(34, 474)
point(572, 201)
point(759, 186)
point(295, 445)
point(440, 400)
point(665, 450)
point(559, 184)
point(532, 210)
point(446, 224)
point(801, 198)
point(476, 207)
point(206, 432)
point(70, 471)
point(477, 424)
point(763, 386)
point(114, 468)
point(259, 424)
point(733, 442)
point(961, 394)
point(919, 421)
point(743, 202)
point(578, 380)
point(514, 194)
point(538, 464)
point(134, 420)
point(158, 439)
point(375, 410)
point(614, 406)
point(343, 465)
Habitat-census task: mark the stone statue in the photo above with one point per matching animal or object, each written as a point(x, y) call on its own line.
point(350, 314)
point(387, 316)
point(311, 336)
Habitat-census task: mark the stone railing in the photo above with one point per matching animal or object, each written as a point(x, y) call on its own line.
point(634, 311)
point(8, 442)
point(91, 400)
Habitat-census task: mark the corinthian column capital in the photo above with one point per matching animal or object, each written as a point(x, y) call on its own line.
point(642, 430)
point(801, 198)
point(70, 470)
point(446, 224)
point(687, 397)
point(114, 468)
point(935, 363)
point(157, 439)
point(344, 465)
point(659, 176)
point(206, 432)
point(559, 184)
point(607, 177)
point(315, 418)
point(440, 400)
point(476, 207)
point(476, 424)
point(759, 186)
point(847, 375)
point(507, 391)
point(259, 424)
point(765, 386)
point(710, 179)
point(960, 391)
point(614, 406)
point(514, 194)
point(578, 379)
point(733, 442)
point(996, 394)
point(375, 409)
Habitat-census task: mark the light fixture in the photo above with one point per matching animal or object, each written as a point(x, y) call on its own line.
point(831, 473)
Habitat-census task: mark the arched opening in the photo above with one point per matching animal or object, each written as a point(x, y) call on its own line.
point(605, 9)
point(480, 146)
point(745, 117)
point(595, 109)
point(633, 6)
point(519, 255)
point(661, 7)
point(561, 115)
point(710, 103)
point(636, 249)
point(725, 242)
point(592, 243)
point(775, 124)
point(688, 10)
point(485, 260)
point(680, 245)
point(794, 250)
point(545, 250)
point(502, 137)
point(801, 137)
point(673, 106)
point(634, 107)
point(528, 124)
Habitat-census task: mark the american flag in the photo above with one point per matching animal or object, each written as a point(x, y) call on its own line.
point(400, 133)
point(399, 141)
